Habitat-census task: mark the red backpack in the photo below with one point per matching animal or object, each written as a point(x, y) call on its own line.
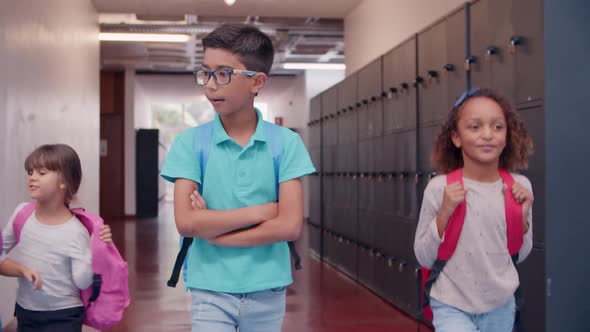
point(453, 231)
point(108, 296)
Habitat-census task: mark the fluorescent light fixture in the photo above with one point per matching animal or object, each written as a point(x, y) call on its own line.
point(304, 65)
point(143, 37)
point(230, 2)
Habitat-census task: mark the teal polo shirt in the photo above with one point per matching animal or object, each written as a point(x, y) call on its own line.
point(237, 177)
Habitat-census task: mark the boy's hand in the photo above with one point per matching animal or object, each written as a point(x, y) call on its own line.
point(197, 201)
point(33, 277)
point(524, 197)
point(105, 234)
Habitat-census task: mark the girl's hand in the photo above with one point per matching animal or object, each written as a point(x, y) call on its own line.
point(33, 277)
point(105, 234)
point(525, 198)
point(197, 201)
point(453, 195)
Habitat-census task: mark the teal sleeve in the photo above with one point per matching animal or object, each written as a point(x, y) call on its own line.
point(181, 161)
point(295, 162)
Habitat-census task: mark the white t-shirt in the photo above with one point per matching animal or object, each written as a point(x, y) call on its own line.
point(62, 256)
point(480, 276)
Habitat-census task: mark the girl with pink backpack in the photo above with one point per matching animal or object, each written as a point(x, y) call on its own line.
point(53, 240)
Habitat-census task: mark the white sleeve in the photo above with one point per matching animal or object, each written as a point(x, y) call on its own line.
point(81, 255)
point(427, 240)
point(8, 238)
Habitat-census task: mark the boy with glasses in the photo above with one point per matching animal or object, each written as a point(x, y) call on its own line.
point(238, 264)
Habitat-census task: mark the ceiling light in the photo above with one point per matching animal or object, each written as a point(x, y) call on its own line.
point(230, 2)
point(303, 65)
point(144, 37)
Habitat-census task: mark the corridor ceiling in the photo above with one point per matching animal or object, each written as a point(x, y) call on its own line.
point(309, 31)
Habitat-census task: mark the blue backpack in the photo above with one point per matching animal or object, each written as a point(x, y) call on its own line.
point(203, 136)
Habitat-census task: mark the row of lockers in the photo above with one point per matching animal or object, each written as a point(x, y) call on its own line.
point(504, 51)
point(371, 138)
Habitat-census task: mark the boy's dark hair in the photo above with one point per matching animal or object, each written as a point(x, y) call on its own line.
point(519, 145)
point(252, 46)
point(58, 158)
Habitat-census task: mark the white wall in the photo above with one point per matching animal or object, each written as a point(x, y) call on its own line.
point(376, 26)
point(49, 93)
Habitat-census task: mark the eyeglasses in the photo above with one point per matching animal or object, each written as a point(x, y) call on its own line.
point(221, 76)
point(465, 95)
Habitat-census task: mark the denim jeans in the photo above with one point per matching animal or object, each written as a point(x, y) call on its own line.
point(450, 319)
point(226, 312)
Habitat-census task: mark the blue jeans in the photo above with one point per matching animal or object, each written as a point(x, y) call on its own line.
point(450, 319)
point(225, 312)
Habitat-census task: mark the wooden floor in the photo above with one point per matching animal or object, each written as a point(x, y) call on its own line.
point(320, 300)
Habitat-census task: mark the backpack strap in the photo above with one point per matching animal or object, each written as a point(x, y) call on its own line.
point(274, 139)
point(449, 244)
point(514, 216)
point(202, 147)
point(455, 224)
point(21, 218)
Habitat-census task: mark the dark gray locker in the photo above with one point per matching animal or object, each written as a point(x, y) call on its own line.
point(381, 277)
point(328, 158)
point(453, 72)
point(399, 71)
point(376, 119)
point(503, 61)
point(366, 156)
point(388, 152)
point(350, 208)
point(330, 101)
point(328, 201)
point(491, 24)
point(329, 248)
point(364, 122)
point(349, 258)
point(408, 149)
point(432, 99)
point(410, 208)
point(315, 198)
point(347, 93)
point(314, 238)
point(426, 138)
point(370, 81)
point(366, 268)
point(408, 290)
point(479, 41)
point(534, 121)
point(363, 193)
point(378, 143)
point(337, 204)
point(528, 50)
point(532, 283)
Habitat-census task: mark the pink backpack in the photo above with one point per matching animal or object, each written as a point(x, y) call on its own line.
point(108, 296)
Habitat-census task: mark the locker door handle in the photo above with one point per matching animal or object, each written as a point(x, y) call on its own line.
point(383, 94)
point(358, 105)
point(344, 110)
point(469, 61)
point(417, 81)
point(390, 261)
point(365, 101)
point(448, 67)
point(404, 86)
point(432, 74)
point(393, 90)
point(373, 99)
point(350, 108)
point(491, 50)
point(515, 41)
point(402, 266)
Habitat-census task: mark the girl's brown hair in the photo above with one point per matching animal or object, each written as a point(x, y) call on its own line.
point(446, 157)
point(58, 158)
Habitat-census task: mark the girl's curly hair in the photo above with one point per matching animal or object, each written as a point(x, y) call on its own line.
point(519, 144)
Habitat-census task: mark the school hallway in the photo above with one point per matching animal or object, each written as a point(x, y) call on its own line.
point(320, 300)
